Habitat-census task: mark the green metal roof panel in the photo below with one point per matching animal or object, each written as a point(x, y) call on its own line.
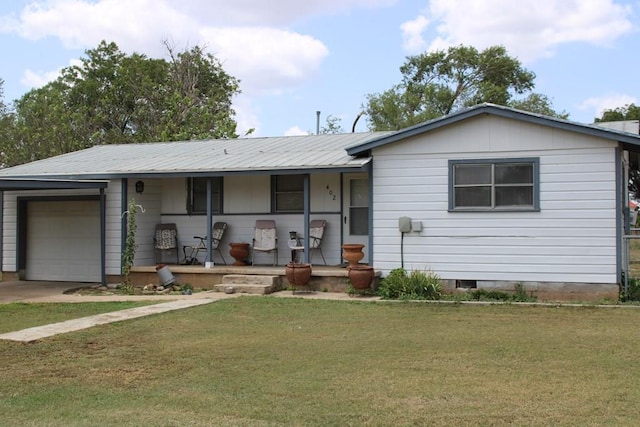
point(306, 152)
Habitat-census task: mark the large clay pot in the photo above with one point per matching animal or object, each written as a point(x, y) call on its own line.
point(240, 252)
point(298, 275)
point(352, 252)
point(360, 276)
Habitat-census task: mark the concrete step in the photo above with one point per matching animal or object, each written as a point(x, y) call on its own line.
point(253, 279)
point(249, 283)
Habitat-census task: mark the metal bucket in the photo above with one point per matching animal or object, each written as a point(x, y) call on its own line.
point(165, 275)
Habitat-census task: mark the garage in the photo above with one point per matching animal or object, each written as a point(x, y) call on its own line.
point(63, 241)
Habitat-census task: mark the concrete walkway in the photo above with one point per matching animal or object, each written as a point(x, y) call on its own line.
point(39, 332)
point(45, 292)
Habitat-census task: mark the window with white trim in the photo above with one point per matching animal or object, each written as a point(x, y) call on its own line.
point(494, 184)
point(197, 195)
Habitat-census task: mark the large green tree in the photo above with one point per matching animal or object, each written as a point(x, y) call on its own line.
point(441, 82)
point(628, 112)
point(112, 98)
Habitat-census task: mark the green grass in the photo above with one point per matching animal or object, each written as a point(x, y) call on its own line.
point(17, 316)
point(269, 361)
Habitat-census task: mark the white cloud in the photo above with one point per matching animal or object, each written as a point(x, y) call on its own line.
point(412, 40)
point(261, 12)
point(40, 78)
point(252, 38)
point(529, 29)
point(265, 58)
point(295, 130)
point(597, 105)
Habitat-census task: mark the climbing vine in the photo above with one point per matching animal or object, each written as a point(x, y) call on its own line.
point(130, 245)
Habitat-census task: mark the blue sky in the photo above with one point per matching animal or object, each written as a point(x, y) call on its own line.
point(298, 57)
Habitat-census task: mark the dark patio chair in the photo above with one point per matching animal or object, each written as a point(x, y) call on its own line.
point(165, 240)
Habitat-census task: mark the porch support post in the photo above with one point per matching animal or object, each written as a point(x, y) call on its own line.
point(103, 238)
point(307, 204)
point(370, 216)
point(622, 219)
point(209, 259)
point(1, 231)
point(124, 196)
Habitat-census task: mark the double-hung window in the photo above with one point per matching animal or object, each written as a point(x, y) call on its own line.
point(494, 184)
point(197, 195)
point(288, 193)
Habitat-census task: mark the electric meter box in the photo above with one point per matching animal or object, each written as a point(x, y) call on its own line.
point(404, 224)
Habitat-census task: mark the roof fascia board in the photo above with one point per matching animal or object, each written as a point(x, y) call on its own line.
point(500, 111)
point(8, 184)
point(60, 178)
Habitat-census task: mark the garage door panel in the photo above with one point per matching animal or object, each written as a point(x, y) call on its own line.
point(63, 241)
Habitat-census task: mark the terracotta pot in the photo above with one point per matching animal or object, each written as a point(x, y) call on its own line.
point(360, 276)
point(239, 251)
point(298, 275)
point(352, 252)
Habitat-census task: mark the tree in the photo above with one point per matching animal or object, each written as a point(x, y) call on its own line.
point(112, 97)
point(538, 103)
point(438, 83)
point(628, 112)
point(332, 125)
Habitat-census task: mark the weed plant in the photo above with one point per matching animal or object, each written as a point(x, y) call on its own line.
point(415, 285)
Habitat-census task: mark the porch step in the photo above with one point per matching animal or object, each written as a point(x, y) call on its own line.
point(250, 283)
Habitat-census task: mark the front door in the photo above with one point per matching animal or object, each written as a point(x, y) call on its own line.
point(355, 211)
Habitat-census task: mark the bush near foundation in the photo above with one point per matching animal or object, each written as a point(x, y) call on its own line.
point(415, 285)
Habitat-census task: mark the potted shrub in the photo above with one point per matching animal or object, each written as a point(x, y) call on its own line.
point(298, 275)
point(360, 276)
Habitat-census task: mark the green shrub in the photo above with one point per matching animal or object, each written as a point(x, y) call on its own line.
point(520, 295)
point(416, 285)
point(633, 290)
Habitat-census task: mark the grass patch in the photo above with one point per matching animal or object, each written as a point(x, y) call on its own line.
point(17, 316)
point(270, 361)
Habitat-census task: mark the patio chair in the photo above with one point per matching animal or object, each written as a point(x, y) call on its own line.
point(191, 252)
point(265, 239)
point(165, 240)
point(316, 233)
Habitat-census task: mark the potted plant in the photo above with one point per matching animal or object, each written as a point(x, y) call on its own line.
point(360, 276)
point(298, 275)
point(352, 252)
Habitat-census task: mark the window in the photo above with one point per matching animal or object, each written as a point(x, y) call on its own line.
point(197, 195)
point(505, 184)
point(288, 193)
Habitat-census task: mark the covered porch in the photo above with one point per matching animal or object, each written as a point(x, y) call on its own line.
point(244, 278)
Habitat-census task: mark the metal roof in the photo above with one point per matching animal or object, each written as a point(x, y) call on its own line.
point(287, 154)
point(630, 140)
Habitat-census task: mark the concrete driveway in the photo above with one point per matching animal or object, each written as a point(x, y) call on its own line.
point(12, 291)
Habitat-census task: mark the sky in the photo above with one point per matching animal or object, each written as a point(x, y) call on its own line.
point(294, 58)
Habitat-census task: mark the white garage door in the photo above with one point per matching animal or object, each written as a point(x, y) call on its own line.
point(63, 241)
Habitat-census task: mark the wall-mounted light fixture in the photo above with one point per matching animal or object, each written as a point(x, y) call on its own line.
point(139, 187)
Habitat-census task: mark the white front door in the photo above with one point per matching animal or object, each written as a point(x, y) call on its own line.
point(355, 211)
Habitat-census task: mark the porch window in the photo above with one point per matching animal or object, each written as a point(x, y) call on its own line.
point(288, 193)
point(197, 195)
point(502, 184)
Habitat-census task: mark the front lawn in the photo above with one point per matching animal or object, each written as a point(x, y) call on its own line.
point(281, 361)
point(18, 315)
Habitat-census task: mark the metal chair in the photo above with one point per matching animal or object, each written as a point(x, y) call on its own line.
point(165, 240)
point(265, 239)
point(316, 233)
point(217, 233)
